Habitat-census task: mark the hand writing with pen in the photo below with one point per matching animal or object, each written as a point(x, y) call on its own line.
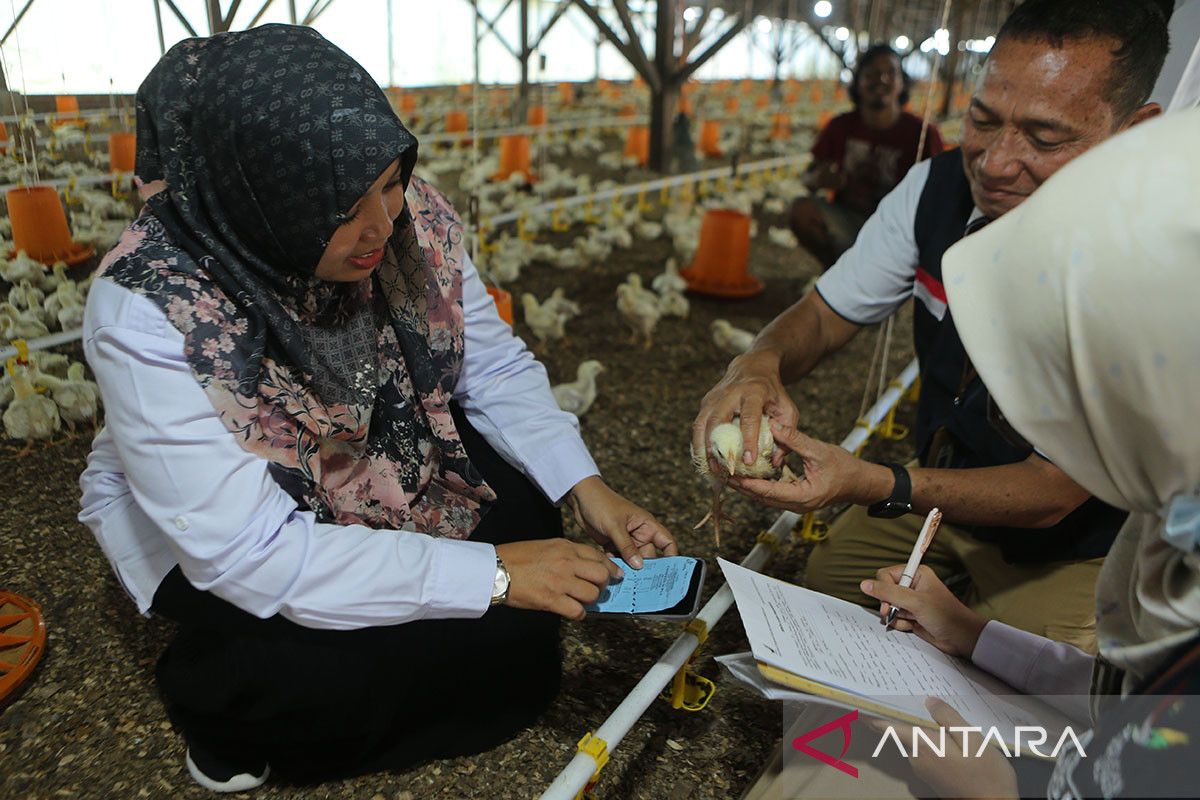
point(931, 611)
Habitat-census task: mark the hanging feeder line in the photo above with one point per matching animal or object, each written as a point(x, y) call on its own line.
point(548, 208)
point(588, 123)
point(688, 179)
point(595, 748)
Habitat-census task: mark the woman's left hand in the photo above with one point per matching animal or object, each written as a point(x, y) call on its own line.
point(617, 524)
point(959, 773)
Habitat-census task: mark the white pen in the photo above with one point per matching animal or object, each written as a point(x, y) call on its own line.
point(914, 559)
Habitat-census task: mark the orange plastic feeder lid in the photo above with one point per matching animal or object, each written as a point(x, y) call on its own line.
point(22, 640)
point(78, 254)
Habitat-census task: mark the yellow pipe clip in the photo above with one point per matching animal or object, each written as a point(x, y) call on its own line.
point(557, 221)
point(643, 205)
point(890, 429)
point(689, 691)
point(589, 212)
point(597, 748)
point(813, 529)
point(522, 231)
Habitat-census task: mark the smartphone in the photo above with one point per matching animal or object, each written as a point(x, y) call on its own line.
point(665, 588)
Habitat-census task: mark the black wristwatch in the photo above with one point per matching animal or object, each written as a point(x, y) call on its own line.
point(900, 501)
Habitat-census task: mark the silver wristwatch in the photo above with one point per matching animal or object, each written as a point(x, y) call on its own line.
point(503, 581)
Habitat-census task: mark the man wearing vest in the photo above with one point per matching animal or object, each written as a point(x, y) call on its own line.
point(1020, 540)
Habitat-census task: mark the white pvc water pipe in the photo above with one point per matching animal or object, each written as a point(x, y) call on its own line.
point(650, 186)
point(579, 771)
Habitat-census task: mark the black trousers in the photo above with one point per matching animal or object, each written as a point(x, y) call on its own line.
point(322, 703)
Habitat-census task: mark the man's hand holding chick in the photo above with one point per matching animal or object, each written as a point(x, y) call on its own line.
point(751, 387)
point(830, 475)
point(617, 524)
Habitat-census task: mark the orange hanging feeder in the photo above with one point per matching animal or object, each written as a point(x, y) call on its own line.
point(720, 267)
point(710, 135)
point(514, 157)
point(3, 138)
point(566, 94)
point(456, 122)
point(503, 301)
point(637, 144)
point(762, 101)
point(732, 104)
point(66, 107)
point(39, 226)
point(22, 641)
point(781, 127)
point(537, 115)
point(122, 152)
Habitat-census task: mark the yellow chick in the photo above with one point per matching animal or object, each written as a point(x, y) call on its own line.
point(734, 341)
point(725, 445)
point(30, 415)
point(546, 323)
point(640, 310)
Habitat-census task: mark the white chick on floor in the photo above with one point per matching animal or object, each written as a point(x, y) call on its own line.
point(30, 415)
point(673, 304)
point(578, 395)
point(725, 445)
point(670, 280)
point(546, 324)
point(559, 304)
point(640, 311)
point(783, 238)
point(22, 268)
point(77, 398)
point(70, 316)
point(775, 205)
point(734, 341)
point(648, 230)
point(16, 324)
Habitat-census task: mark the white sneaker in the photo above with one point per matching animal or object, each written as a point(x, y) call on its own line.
point(217, 777)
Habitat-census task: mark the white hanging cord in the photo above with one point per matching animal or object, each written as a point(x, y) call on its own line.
point(862, 408)
point(31, 150)
point(474, 129)
point(883, 342)
point(933, 81)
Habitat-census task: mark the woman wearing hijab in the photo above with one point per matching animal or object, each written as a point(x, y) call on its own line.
point(1099, 368)
point(326, 458)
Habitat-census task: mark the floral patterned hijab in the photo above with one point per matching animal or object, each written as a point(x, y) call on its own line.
point(251, 148)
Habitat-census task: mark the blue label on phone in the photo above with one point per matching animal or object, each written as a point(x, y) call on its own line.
point(660, 584)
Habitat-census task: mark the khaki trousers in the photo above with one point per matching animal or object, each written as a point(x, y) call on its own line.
point(1056, 600)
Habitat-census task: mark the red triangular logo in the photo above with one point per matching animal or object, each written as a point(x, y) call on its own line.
point(841, 723)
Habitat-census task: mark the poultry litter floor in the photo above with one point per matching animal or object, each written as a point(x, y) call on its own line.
point(89, 723)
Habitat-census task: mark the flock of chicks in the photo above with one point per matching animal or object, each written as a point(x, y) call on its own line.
point(38, 300)
point(40, 391)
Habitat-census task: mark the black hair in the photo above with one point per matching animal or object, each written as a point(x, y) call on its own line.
point(1138, 26)
point(870, 54)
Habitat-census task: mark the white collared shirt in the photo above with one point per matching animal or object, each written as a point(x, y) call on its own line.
point(166, 482)
point(878, 273)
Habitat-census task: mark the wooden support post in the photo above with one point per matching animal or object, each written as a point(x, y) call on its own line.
point(664, 98)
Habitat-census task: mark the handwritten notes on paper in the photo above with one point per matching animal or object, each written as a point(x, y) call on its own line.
point(842, 646)
point(660, 584)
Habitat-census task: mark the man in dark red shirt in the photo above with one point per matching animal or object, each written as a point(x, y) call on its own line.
point(860, 155)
